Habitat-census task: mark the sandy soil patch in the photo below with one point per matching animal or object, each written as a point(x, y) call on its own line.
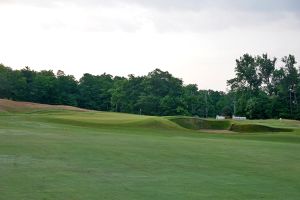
point(7, 105)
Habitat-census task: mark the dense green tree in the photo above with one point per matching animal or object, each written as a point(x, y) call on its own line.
point(5, 80)
point(67, 89)
point(94, 91)
point(126, 93)
point(247, 76)
point(266, 91)
point(259, 107)
point(118, 94)
point(260, 89)
point(192, 99)
point(290, 86)
point(165, 92)
point(29, 76)
point(266, 71)
point(43, 87)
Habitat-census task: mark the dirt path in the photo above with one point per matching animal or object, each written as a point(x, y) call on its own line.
point(216, 131)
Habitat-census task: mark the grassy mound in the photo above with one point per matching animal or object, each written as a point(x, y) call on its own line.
point(75, 117)
point(197, 123)
point(242, 127)
point(245, 128)
point(110, 120)
point(18, 106)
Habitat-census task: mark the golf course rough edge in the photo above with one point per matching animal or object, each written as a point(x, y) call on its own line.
point(63, 114)
point(247, 128)
point(198, 124)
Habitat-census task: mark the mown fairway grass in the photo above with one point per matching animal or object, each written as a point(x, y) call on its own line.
point(95, 155)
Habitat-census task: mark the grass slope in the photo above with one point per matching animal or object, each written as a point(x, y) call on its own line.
point(67, 154)
point(8, 106)
point(197, 123)
point(250, 128)
point(231, 125)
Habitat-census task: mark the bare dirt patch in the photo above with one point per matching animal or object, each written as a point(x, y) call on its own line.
point(9, 105)
point(216, 131)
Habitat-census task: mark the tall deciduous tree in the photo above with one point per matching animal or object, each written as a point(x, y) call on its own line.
point(247, 76)
point(266, 71)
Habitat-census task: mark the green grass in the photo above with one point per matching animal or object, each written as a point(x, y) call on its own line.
point(56, 154)
point(237, 126)
point(197, 123)
point(255, 128)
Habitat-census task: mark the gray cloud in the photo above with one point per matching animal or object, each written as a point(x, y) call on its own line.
point(244, 5)
point(46, 32)
point(252, 5)
point(185, 15)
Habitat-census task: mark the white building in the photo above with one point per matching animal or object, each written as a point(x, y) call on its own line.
point(238, 118)
point(218, 117)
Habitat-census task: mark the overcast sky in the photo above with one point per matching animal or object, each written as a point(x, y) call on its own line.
point(196, 40)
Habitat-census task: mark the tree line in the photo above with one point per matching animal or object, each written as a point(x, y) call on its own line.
point(265, 88)
point(260, 89)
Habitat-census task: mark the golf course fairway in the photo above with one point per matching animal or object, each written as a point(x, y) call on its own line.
point(62, 154)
